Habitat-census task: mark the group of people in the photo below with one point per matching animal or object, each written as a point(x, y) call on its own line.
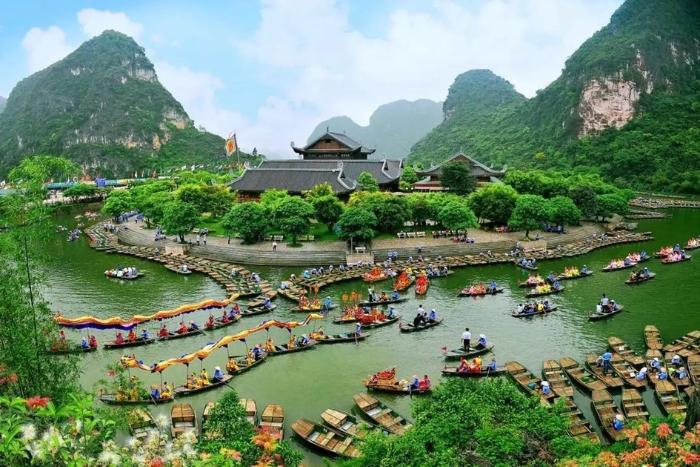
point(526, 262)
point(532, 308)
point(121, 271)
point(131, 337)
point(422, 317)
point(606, 305)
point(620, 263)
point(675, 256)
point(253, 355)
point(372, 296)
point(467, 341)
point(314, 304)
point(89, 343)
point(476, 365)
point(194, 381)
point(546, 288)
point(639, 275)
point(480, 289)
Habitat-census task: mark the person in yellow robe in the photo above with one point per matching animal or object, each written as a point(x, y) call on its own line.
point(269, 345)
point(292, 342)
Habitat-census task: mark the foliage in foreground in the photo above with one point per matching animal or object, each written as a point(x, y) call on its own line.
point(469, 422)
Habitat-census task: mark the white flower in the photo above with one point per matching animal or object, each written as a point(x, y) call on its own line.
point(78, 425)
point(162, 421)
point(109, 458)
point(29, 432)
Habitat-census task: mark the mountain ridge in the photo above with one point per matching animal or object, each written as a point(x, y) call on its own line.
point(393, 127)
point(636, 79)
point(3, 101)
point(103, 107)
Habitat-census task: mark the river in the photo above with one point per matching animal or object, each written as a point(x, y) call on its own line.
point(307, 383)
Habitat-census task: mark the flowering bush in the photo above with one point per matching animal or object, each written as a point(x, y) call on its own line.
point(661, 442)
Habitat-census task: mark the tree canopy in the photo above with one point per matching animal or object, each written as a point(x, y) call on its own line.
point(367, 182)
point(249, 220)
point(457, 178)
point(117, 203)
point(292, 216)
point(494, 202)
point(563, 211)
point(457, 216)
point(356, 223)
point(529, 213)
point(179, 218)
point(327, 210)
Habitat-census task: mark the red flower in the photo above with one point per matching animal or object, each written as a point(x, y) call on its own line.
point(663, 431)
point(111, 373)
point(157, 462)
point(644, 428)
point(641, 442)
point(36, 401)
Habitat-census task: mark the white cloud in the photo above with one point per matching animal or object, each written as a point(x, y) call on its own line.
point(44, 47)
point(337, 71)
point(94, 22)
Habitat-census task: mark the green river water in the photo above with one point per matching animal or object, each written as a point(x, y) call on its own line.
point(309, 382)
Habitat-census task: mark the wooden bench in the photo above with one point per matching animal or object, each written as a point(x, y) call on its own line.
point(268, 238)
point(278, 238)
point(360, 249)
point(420, 234)
point(411, 235)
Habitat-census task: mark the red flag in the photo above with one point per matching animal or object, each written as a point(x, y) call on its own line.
point(444, 349)
point(400, 324)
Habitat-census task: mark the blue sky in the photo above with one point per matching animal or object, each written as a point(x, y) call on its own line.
point(273, 69)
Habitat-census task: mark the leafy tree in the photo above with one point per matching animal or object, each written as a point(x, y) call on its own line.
point(194, 195)
point(29, 326)
point(529, 213)
point(409, 175)
point(327, 210)
point(563, 211)
point(153, 207)
point(292, 217)
point(420, 208)
point(117, 203)
point(80, 190)
point(318, 191)
point(457, 178)
point(392, 212)
point(494, 202)
point(249, 220)
point(457, 216)
point(608, 205)
point(272, 198)
point(584, 198)
point(179, 218)
point(219, 199)
point(367, 182)
point(356, 223)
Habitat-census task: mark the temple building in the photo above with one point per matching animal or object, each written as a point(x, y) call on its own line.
point(332, 158)
point(430, 180)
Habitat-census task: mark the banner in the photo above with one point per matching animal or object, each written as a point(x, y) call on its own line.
point(231, 143)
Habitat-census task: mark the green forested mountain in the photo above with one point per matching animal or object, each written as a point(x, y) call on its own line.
point(627, 105)
point(393, 128)
point(103, 107)
point(3, 101)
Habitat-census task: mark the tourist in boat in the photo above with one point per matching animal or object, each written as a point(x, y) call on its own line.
point(641, 376)
point(604, 301)
point(257, 352)
point(204, 377)
point(236, 309)
point(492, 287)
point(584, 269)
point(224, 318)
point(210, 321)
point(619, 422)
point(481, 343)
point(132, 335)
point(218, 375)
point(328, 304)
point(119, 339)
point(166, 393)
point(193, 381)
point(62, 338)
point(433, 316)
point(425, 384)
point(463, 366)
point(163, 331)
point(418, 321)
point(93, 342)
point(185, 268)
point(466, 339)
point(304, 340)
point(145, 335)
point(663, 373)
point(545, 388)
point(476, 365)
point(676, 360)
point(84, 343)
point(415, 383)
point(556, 285)
point(613, 306)
point(292, 342)
point(655, 365)
point(193, 326)
point(182, 329)
point(232, 365)
point(269, 345)
point(681, 374)
point(395, 295)
point(493, 366)
point(646, 272)
point(391, 313)
point(607, 362)
point(155, 392)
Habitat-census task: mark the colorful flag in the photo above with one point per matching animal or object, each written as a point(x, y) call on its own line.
point(231, 143)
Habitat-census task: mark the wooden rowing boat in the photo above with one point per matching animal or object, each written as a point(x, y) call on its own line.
point(611, 380)
point(619, 268)
point(112, 399)
point(465, 293)
point(667, 394)
point(681, 383)
point(242, 364)
point(530, 383)
point(177, 269)
point(577, 426)
point(186, 390)
point(652, 337)
point(330, 441)
point(485, 371)
point(183, 419)
point(397, 387)
point(382, 302)
point(257, 310)
point(642, 280)
point(669, 261)
point(694, 368)
point(621, 348)
point(381, 414)
point(376, 275)
point(219, 323)
point(579, 375)
point(284, 348)
point(456, 354)
point(347, 424)
point(523, 266)
point(544, 311)
point(337, 338)
point(377, 324)
point(272, 421)
point(409, 327)
point(74, 349)
point(175, 335)
point(552, 291)
point(624, 370)
point(403, 282)
point(633, 405)
point(138, 342)
point(606, 410)
point(422, 285)
point(581, 275)
point(557, 379)
point(682, 345)
point(314, 309)
point(251, 410)
point(140, 423)
point(126, 278)
point(595, 316)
